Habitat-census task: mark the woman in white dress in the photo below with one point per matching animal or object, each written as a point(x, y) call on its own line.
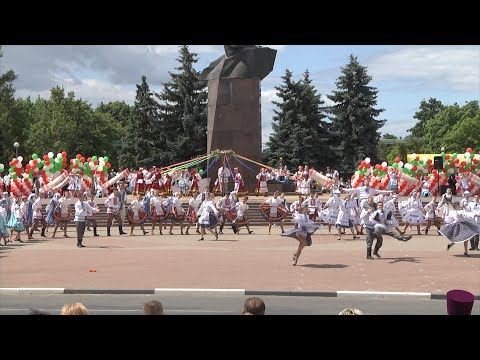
point(135, 215)
point(343, 218)
point(208, 216)
point(413, 212)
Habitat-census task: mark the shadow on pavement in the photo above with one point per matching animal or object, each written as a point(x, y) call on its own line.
point(471, 255)
point(325, 266)
point(399, 259)
point(103, 247)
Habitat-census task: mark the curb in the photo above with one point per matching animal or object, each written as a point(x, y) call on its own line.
point(183, 291)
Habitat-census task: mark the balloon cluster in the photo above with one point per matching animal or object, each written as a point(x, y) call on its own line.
point(90, 166)
point(52, 166)
point(466, 162)
point(16, 168)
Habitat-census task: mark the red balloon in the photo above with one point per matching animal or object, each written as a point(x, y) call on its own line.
point(397, 160)
point(78, 156)
point(447, 157)
point(64, 154)
point(469, 150)
point(434, 171)
point(463, 163)
point(82, 159)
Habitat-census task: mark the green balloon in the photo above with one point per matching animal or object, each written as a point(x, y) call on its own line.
point(395, 165)
point(442, 154)
point(105, 158)
point(94, 158)
point(454, 155)
point(34, 156)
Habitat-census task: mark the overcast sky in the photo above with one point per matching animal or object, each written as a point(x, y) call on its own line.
point(403, 75)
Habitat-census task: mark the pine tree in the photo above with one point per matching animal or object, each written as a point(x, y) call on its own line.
point(183, 110)
point(138, 148)
point(299, 132)
point(354, 128)
point(281, 143)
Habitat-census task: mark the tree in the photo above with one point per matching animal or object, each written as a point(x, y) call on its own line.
point(428, 109)
point(63, 123)
point(138, 148)
point(299, 132)
point(7, 115)
point(183, 110)
point(448, 127)
point(120, 114)
point(354, 127)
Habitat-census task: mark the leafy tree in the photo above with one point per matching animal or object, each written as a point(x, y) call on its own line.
point(119, 113)
point(428, 109)
point(8, 129)
point(444, 122)
point(354, 127)
point(183, 109)
point(63, 123)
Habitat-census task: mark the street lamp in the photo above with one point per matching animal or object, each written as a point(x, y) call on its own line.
point(16, 145)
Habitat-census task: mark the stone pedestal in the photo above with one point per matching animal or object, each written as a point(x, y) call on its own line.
point(234, 122)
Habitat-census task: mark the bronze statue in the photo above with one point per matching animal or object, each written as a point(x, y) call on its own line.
point(240, 62)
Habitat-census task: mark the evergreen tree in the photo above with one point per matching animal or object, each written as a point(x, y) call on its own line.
point(281, 143)
point(138, 147)
point(354, 127)
point(183, 110)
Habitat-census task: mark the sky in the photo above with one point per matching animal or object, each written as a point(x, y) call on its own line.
point(403, 75)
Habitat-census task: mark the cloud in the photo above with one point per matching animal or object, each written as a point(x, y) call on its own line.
point(268, 96)
point(458, 66)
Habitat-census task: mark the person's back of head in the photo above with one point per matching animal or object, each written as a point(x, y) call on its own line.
point(253, 306)
point(350, 311)
point(153, 307)
point(74, 309)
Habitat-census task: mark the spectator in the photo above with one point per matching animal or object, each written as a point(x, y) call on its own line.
point(253, 306)
point(350, 311)
point(153, 307)
point(74, 309)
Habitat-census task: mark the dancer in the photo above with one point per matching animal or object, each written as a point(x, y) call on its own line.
point(460, 228)
point(412, 213)
point(192, 212)
point(38, 217)
point(90, 217)
point(262, 178)
point(329, 212)
point(239, 189)
point(15, 223)
point(343, 218)
point(157, 213)
point(240, 219)
point(61, 214)
point(430, 216)
point(474, 208)
point(136, 215)
point(276, 212)
point(303, 233)
point(208, 216)
point(3, 225)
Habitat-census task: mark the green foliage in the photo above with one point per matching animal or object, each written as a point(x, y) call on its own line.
point(428, 109)
point(183, 108)
point(138, 147)
point(63, 123)
point(448, 125)
point(299, 132)
point(354, 127)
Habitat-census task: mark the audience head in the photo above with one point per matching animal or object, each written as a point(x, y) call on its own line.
point(253, 306)
point(74, 309)
point(153, 307)
point(350, 311)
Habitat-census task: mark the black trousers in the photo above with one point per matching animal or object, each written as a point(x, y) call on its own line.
point(80, 231)
point(371, 235)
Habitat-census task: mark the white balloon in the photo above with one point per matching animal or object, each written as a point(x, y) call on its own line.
point(20, 158)
point(367, 160)
point(59, 154)
point(468, 160)
point(50, 154)
point(477, 157)
point(400, 164)
point(467, 154)
point(384, 164)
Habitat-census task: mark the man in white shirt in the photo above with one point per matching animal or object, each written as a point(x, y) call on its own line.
point(82, 209)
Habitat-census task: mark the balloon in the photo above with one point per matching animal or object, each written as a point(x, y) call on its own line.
point(34, 156)
point(397, 160)
point(367, 160)
point(467, 154)
point(384, 164)
point(50, 154)
point(454, 155)
point(20, 158)
point(201, 172)
point(400, 164)
point(105, 158)
point(469, 150)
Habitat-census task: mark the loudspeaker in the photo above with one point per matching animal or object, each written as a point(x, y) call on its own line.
point(438, 162)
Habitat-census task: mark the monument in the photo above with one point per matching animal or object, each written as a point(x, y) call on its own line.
point(234, 106)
